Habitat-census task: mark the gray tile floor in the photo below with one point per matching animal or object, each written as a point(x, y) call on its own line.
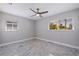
point(37, 47)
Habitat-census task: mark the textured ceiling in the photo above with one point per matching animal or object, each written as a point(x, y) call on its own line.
point(22, 9)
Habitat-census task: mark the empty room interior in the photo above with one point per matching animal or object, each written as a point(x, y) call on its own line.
point(39, 29)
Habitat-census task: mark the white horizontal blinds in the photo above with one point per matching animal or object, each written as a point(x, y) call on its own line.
point(11, 26)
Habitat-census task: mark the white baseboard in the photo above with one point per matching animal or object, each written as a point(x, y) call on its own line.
point(64, 44)
point(15, 41)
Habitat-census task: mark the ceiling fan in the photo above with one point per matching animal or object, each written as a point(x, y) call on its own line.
point(38, 13)
point(10, 3)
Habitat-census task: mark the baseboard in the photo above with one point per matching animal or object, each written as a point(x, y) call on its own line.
point(4, 44)
point(64, 44)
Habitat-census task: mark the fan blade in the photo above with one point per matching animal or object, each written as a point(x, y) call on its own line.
point(33, 10)
point(33, 15)
point(44, 12)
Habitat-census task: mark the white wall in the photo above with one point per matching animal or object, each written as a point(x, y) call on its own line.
point(67, 37)
point(25, 28)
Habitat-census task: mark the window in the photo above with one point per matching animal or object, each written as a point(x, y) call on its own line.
point(11, 26)
point(65, 24)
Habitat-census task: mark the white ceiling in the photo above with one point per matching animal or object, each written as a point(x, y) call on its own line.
point(22, 9)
